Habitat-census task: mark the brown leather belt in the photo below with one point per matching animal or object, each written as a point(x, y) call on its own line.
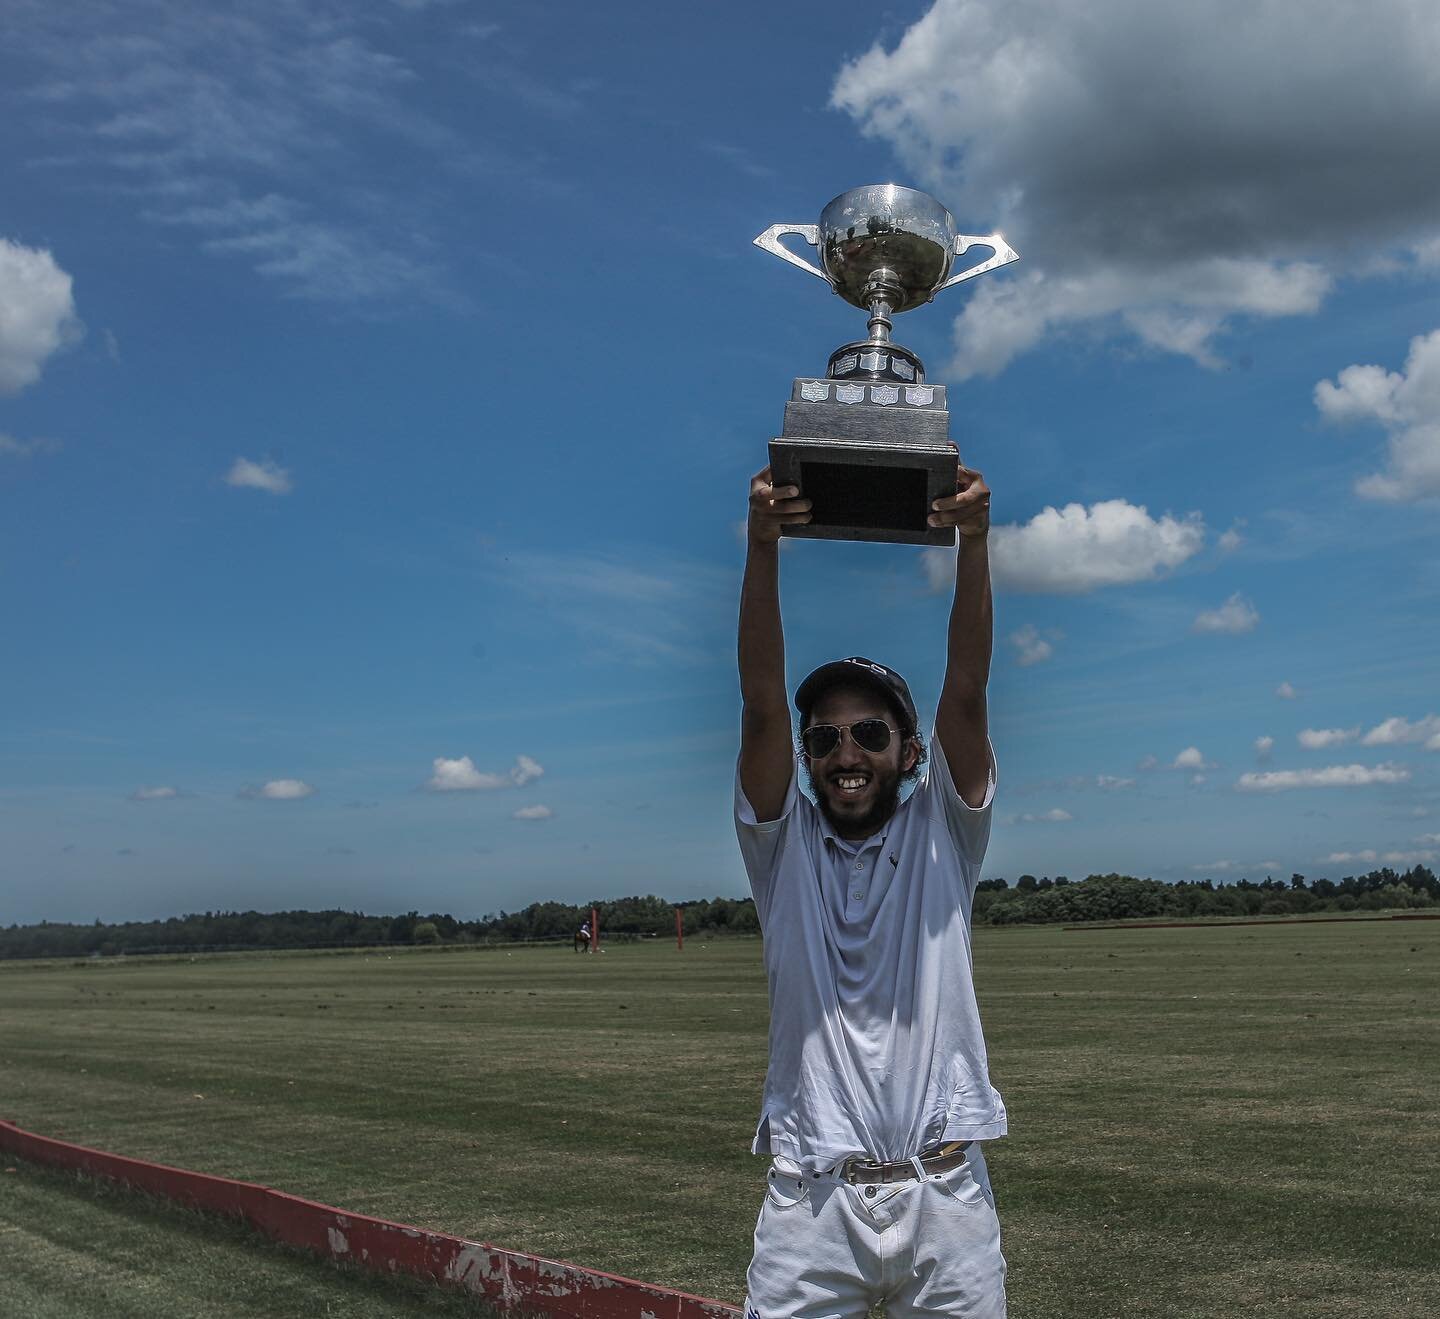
point(933, 1161)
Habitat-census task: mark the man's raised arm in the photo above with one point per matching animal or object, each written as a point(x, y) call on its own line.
point(961, 724)
point(767, 755)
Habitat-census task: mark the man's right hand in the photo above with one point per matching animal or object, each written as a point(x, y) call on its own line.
point(773, 507)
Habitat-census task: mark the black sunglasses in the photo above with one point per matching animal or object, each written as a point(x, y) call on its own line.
point(819, 740)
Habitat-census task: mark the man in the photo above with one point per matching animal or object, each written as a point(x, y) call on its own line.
point(877, 1096)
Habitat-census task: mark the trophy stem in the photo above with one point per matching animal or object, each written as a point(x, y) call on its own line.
point(879, 323)
point(882, 294)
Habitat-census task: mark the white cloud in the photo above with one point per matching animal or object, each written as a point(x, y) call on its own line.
point(1317, 739)
point(1112, 782)
point(1148, 763)
point(460, 775)
point(244, 129)
point(1286, 692)
point(1396, 731)
point(1235, 616)
point(1392, 858)
point(1407, 405)
point(26, 448)
point(1333, 776)
point(279, 790)
point(1191, 758)
point(1230, 541)
point(1053, 816)
point(536, 812)
point(1030, 646)
point(646, 608)
point(155, 794)
point(1264, 746)
point(1427, 838)
point(264, 475)
point(1161, 205)
point(1226, 866)
point(1072, 550)
point(37, 314)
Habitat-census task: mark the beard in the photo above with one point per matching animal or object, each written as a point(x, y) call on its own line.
point(848, 821)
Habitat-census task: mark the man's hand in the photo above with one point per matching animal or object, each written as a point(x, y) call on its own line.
point(773, 507)
point(967, 510)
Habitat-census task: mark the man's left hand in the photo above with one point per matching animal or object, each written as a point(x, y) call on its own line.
point(968, 509)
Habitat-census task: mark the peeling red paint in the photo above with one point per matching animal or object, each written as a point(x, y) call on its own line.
point(507, 1279)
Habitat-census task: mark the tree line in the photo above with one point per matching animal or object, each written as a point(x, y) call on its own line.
point(217, 931)
point(997, 902)
point(1123, 897)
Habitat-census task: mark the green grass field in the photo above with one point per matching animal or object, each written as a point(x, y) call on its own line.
point(1204, 1120)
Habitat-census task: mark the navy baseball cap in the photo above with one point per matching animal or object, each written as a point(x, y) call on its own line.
point(863, 672)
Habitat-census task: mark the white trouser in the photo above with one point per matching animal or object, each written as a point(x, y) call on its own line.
point(825, 1249)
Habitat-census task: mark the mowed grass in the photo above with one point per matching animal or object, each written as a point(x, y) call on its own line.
point(1204, 1120)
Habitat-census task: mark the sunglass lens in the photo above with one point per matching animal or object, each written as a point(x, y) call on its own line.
point(820, 740)
point(871, 734)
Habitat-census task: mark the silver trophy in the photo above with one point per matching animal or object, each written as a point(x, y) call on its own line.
point(869, 444)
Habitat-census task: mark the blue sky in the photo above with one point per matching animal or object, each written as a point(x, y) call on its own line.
point(380, 384)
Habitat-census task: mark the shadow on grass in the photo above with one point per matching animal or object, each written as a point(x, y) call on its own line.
point(93, 1247)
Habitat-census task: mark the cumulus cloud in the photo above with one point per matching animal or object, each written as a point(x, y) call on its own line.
point(1333, 776)
point(1112, 782)
point(536, 812)
point(461, 775)
point(1286, 692)
point(1030, 646)
point(37, 313)
point(1162, 205)
point(1191, 758)
point(155, 794)
point(279, 790)
point(1264, 746)
point(1072, 550)
point(1231, 540)
point(264, 475)
point(1235, 616)
point(1317, 739)
point(1406, 404)
point(1396, 731)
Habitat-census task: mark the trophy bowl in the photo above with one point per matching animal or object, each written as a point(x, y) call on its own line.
point(885, 227)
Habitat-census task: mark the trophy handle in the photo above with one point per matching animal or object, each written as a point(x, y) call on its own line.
point(770, 241)
point(1004, 255)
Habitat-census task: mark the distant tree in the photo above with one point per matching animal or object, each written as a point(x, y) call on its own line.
point(425, 932)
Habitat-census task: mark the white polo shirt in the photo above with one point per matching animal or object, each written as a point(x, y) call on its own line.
point(875, 1040)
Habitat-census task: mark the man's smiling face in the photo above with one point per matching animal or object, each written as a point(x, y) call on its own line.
point(858, 790)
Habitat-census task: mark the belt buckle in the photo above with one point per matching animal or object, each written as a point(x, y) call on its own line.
point(850, 1169)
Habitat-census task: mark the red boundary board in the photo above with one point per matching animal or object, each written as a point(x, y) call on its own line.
point(507, 1279)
